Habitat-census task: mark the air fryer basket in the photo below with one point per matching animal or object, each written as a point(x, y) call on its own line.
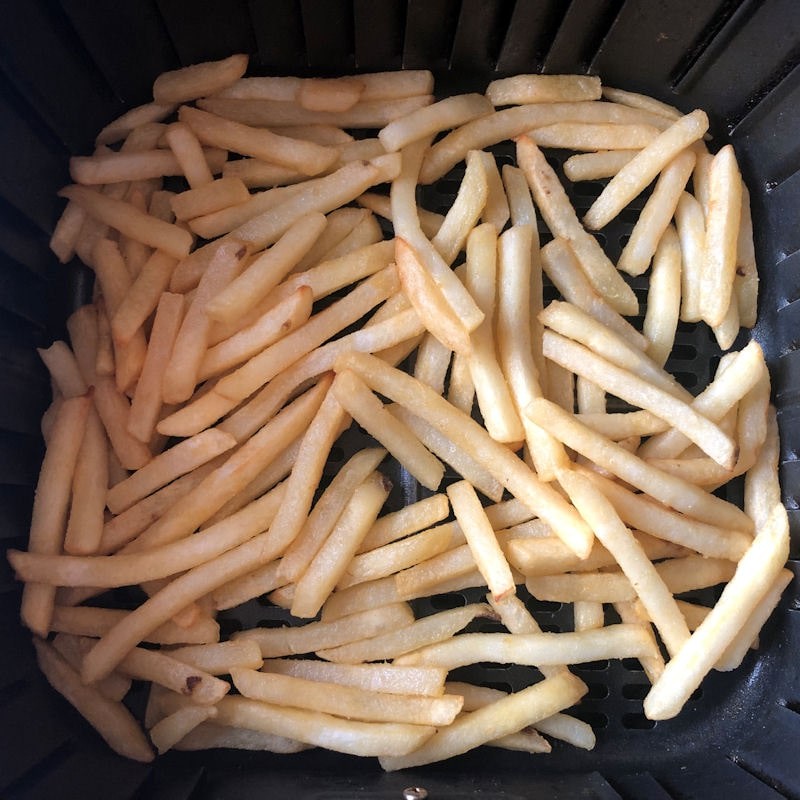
point(69, 66)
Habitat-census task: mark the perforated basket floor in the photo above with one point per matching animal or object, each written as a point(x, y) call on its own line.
point(739, 735)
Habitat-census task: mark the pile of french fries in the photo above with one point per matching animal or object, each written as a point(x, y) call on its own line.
point(249, 309)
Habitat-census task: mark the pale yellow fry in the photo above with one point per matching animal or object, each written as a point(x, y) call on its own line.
point(519, 269)
point(168, 732)
point(267, 270)
point(474, 440)
point(314, 636)
point(745, 283)
point(210, 735)
point(444, 448)
point(189, 152)
point(690, 223)
point(431, 362)
point(722, 233)
point(679, 574)
point(341, 223)
point(642, 513)
point(653, 665)
point(198, 80)
point(366, 232)
point(331, 560)
point(430, 303)
point(159, 667)
point(279, 321)
point(664, 297)
point(496, 210)
point(384, 678)
point(390, 558)
point(279, 113)
point(623, 424)
point(762, 489)
point(423, 632)
point(410, 519)
point(460, 388)
point(429, 221)
point(51, 503)
point(323, 730)
point(307, 471)
point(406, 222)
point(592, 166)
point(109, 718)
point(543, 89)
point(656, 214)
point(513, 122)
point(562, 220)
point(182, 371)
point(588, 616)
point(127, 219)
point(592, 137)
point(135, 118)
point(329, 94)
point(630, 556)
point(671, 491)
point(424, 122)
point(63, 368)
point(131, 568)
point(142, 298)
point(534, 649)
point(754, 576)
point(137, 164)
point(72, 648)
point(635, 390)
point(641, 170)
point(89, 487)
point(346, 701)
point(465, 210)
point(500, 415)
point(563, 268)
point(246, 587)
point(641, 101)
point(67, 231)
point(740, 374)
point(218, 658)
point(147, 397)
point(494, 723)
point(221, 193)
point(326, 512)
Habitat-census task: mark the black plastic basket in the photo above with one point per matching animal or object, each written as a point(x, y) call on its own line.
point(69, 66)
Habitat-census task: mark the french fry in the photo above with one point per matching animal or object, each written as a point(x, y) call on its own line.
point(189, 153)
point(217, 659)
point(183, 369)
point(346, 701)
point(656, 214)
point(331, 560)
point(246, 587)
point(722, 232)
point(209, 735)
point(129, 220)
point(213, 196)
point(642, 101)
point(431, 362)
point(637, 391)
point(121, 127)
point(543, 89)
point(267, 270)
point(198, 80)
point(72, 648)
point(496, 210)
point(424, 632)
point(754, 575)
point(481, 539)
point(664, 297)
point(653, 665)
point(315, 636)
point(63, 368)
point(562, 220)
point(611, 531)
point(424, 122)
point(331, 94)
point(762, 489)
point(745, 283)
point(500, 415)
point(592, 166)
point(460, 389)
point(429, 221)
point(89, 486)
point(166, 733)
point(410, 519)
point(667, 489)
point(110, 718)
point(66, 232)
point(503, 465)
point(592, 137)
point(385, 678)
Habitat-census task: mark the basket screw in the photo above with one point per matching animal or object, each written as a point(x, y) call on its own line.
point(415, 793)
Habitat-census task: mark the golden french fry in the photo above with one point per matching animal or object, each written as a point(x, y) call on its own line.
point(591, 166)
point(592, 137)
point(664, 297)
